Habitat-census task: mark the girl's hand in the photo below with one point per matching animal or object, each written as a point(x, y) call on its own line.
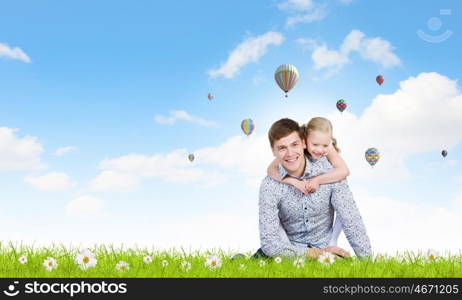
point(299, 184)
point(312, 185)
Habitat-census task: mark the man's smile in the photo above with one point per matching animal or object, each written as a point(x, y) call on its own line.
point(292, 160)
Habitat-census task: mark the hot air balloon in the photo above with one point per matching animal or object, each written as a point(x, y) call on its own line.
point(379, 79)
point(341, 105)
point(191, 157)
point(372, 156)
point(444, 153)
point(210, 96)
point(286, 77)
point(247, 126)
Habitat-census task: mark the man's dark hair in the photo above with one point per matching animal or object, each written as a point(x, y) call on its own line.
point(283, 128)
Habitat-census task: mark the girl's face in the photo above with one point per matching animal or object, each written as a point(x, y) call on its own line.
point(318, 143)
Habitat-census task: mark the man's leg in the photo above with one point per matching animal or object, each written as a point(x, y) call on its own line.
point(259, 254)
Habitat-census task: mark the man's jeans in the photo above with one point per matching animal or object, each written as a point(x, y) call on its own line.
point(260, 254)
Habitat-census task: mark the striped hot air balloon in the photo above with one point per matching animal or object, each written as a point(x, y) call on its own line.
point(247, 126)
point(191, 157)
point(341, 105)
point(444, 153)
point(379, 79)
point(210, 96)
point(286, 77)
point(372, 156)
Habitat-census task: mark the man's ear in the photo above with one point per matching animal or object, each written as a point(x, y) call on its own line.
point(272, 150)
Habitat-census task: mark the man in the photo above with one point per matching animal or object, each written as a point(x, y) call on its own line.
point(294, 224)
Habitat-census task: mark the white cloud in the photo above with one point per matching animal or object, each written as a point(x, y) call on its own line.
point(379, 51)
point(53, 181)
point(126, 172)
point(247, 155)
point(63, 150)
point(19, 153)
point(176, 115)
point(376, 49)
point(318, 14)
point(13, 53)
point(302, 11)
point(85, 207)
point(296, 5)
point(241, 155)
point(250, 50)
point(325, 58)
point(423, 115)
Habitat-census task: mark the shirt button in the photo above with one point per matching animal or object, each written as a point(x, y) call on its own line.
point(305, 208)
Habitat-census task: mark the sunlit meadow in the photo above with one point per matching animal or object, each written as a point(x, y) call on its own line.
point(107, 261)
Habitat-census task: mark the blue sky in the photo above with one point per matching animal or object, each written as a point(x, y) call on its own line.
point(97, 77)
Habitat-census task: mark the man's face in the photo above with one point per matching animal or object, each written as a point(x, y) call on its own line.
point(289, 152)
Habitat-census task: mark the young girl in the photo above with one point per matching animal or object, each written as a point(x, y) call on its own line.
point(319, 142)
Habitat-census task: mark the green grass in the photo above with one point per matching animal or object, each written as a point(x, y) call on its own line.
point(107, 257)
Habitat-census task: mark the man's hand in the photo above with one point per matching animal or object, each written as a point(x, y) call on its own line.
point(337, 251)
point(314, 253)
point(312, 185)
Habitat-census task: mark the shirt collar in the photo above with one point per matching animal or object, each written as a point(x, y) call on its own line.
point(308, 162)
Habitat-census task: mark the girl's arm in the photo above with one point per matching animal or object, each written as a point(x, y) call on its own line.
point(340, 171)
point(273, 172)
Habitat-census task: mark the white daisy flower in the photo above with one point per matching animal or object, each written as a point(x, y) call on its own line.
point(326, 258)
point(432, 255)
point(186, 266)
point(299, 262)
point(164, 263)
point(213, 262)
point(50, 263)
point(147, 259)
point(85, 259)
point(23, 259)
point(277, 260)
point(262, 263)
point(123, 266)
